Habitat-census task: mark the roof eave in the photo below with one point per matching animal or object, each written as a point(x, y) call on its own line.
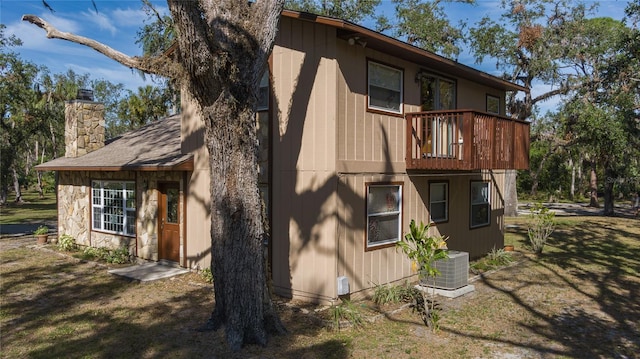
point(186, 165)
point(408, 50)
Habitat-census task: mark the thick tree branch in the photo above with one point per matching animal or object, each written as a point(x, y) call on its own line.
point(142, 64)
point(267, 24)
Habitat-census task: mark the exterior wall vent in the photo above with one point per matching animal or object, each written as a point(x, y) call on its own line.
point(343, 285)
point(454, 272)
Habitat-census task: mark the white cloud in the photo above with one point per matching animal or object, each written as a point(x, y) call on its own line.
point(129, 17)
point(61, 23)
point(101, 20)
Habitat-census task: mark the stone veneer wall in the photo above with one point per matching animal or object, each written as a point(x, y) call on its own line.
point(84, 127)
point(147, 224)
point(74, 210)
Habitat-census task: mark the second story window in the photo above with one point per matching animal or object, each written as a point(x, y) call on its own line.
point(437, 93)
point(385, 88)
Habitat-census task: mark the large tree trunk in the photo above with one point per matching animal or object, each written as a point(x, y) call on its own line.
point(242, 301)
point(510, 194)
point(609, 183)
point(39, 173)
point(225, 90)
point(16, 186)
point(593, 186)
point(572, 188)
point(223, 47)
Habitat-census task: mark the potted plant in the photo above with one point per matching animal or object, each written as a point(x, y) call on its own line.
point(42, 234)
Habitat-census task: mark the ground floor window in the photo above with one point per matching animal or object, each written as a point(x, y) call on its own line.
point(480, 204)
point(439, 201)
point(384, 214)
point(114, 207)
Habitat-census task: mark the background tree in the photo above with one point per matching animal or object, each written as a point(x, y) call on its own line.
point(112, 96)
point(221, 52)
point(352, 10)
point(594, 121)
point(17, 98)
point(425, 24)
point(156, 37)
point(528, 44)
point(138, 109)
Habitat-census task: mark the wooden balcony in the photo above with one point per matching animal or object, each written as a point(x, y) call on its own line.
point(465, 140)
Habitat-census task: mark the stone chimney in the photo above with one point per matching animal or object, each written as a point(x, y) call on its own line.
point(84, 125)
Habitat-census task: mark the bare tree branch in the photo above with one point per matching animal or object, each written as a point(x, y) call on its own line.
point(149, 65)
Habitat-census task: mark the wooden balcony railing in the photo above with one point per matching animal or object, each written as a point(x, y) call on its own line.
point(465, 140)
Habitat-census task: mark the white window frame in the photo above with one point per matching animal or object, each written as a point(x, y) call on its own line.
point(263, 101)
point(393, 199)
point(105, 216)
point(445, 201)
point(372, 83)
point(480, 198)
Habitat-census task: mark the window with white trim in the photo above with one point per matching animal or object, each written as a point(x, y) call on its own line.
point(263, 92)
point(384, 214)
point(114, 207)
point(439, 201)
point(384, 88)
point(480, 204)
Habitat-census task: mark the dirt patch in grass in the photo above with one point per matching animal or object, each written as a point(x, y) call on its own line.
point(578, 300)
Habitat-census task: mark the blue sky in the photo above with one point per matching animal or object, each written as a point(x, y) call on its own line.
point(116, 23)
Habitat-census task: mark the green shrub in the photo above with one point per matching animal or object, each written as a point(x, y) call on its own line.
point(496, 258)
point(541, 225)
point(94, 253)
point(384, 294)
point(207, 275)
point(118, 256)
point(346, 311)
point(424, 249)
point(41, 230)
point(67, 243)
point(499, 257)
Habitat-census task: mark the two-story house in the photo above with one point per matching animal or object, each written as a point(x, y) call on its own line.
point(359, 132)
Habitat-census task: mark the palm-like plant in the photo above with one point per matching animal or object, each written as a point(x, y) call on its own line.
point(425, 250)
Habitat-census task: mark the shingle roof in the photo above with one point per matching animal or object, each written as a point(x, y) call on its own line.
point(154, 147)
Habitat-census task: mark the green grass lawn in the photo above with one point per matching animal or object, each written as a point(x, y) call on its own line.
point(33, 210)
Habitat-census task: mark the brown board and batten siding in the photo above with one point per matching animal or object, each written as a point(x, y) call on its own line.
point(303, 229)
point(198, 231)
point(369, 141)
point(365, 269)
point(371, 149)
point(477, 241)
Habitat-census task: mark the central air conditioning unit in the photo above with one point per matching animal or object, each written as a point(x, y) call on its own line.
point(454, 272)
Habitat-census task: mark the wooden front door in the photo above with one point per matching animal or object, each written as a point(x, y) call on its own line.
point(169, 207)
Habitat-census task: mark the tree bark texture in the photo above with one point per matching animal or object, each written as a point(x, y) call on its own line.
point(511, 193)
point(572, 188)
point(609, 182)
point(593, 186)
point(224, 66)
point(222, 51)
point(16, 185)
